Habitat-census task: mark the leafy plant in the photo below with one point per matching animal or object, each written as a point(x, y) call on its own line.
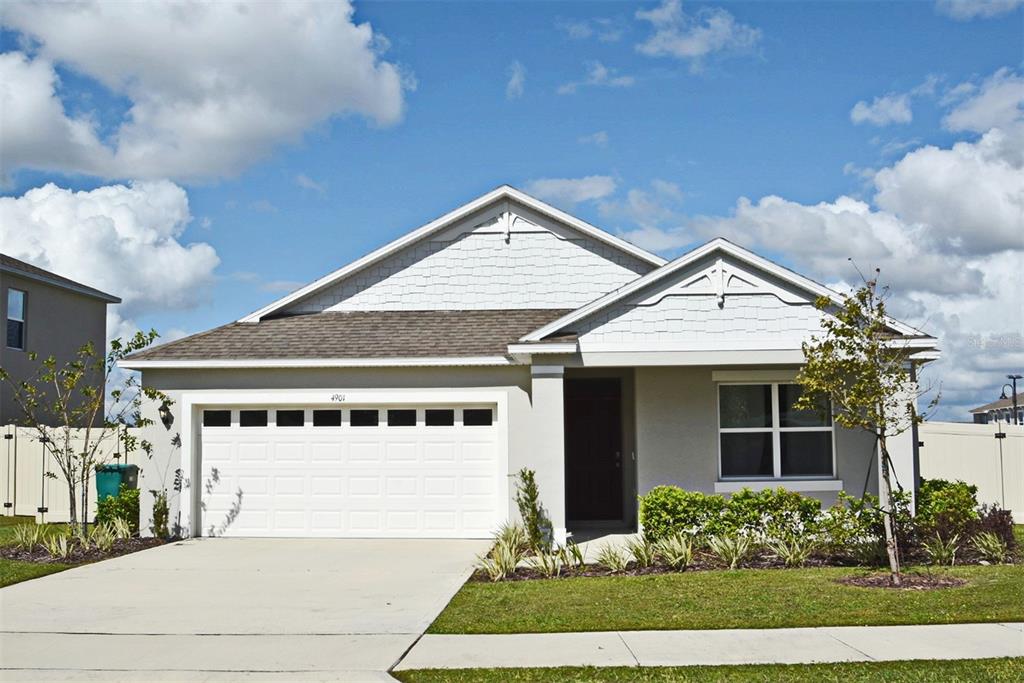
point(793, 550)
point(942, 551)
point(612, 557)
point(772, 512)
point(668, 510)
point(731, 549)
point(121, 529)
point(642, 551)
point(946, 507)
point(27, 536)
point(572, 556)
point(535, 517)
point(125, 505)
point(502, 561)
point(161, 515)
point(990, 547)
point(58, 546)
point(547, 564)
point(102, 536)
point(676, 551)
point(994, 519)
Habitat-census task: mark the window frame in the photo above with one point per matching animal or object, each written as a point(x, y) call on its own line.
point(776, 430)
point(23, 319)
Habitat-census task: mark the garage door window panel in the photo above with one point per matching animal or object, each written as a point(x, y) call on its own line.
point(402, 418)
point(364, 418)
point(439, 417)
point(326, 418)
point(216, 418)
point(477, 417)
point(290, 418)
point(252, 418)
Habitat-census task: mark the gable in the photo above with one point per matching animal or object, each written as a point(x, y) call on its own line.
point(715, 303)
point(504, 256)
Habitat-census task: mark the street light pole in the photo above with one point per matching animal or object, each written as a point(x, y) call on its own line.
point(1013, 393)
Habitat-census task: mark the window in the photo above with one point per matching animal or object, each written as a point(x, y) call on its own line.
point(16, 319)
point(440, 417)
point(252, 418)
point(216, 418)
point(364, 418)
point(762, 434)
point(477, 417)
point(291, 418)
point(326, 418)
point(401, 418)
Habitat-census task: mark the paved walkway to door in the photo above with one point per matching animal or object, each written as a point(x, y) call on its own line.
point(726, 646)
point(230, 609)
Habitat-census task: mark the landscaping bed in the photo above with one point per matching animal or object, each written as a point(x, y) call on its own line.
point(79, 554)
point(915, 671)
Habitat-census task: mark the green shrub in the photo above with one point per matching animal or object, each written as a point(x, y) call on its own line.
point(731, 549)
point(125, 505)
point(535, 517)
point(990, 547)
point(946, 508)
point(161, 515)
point(772, 512)
point(669, 510)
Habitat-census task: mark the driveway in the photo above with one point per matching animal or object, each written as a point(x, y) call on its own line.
point(230, 609)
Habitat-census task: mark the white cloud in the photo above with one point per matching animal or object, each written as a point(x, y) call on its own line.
point(604, 29)
point(597, 75)
point(571, 191)
point(694, 37)
point(125, 240)
point(963, 10)
point(212, 87)
point(516, 81)
point(997, 102)
point(598, 139)
point(307, 183)
point(891, 108)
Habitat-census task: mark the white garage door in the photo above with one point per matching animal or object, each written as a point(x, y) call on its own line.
point(359, 471)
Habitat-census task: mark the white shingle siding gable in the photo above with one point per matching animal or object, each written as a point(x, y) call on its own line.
point(713, 307)
point(503, 261)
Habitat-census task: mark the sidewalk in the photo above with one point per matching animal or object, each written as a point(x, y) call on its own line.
point(740, 646)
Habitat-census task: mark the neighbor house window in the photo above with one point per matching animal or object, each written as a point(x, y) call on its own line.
point(762, 435)
point(16, 319)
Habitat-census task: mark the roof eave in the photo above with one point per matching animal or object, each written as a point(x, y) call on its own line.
point(241, 363)
point(78, 288)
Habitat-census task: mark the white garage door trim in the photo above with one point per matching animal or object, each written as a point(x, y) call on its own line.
point(193, 402)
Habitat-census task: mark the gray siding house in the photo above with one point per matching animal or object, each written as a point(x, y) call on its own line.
point(47, 314)
point(399, 395)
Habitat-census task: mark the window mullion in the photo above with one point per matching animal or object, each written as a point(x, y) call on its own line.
point(776, 437)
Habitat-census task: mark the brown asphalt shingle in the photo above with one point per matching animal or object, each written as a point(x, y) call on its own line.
point(361, 334)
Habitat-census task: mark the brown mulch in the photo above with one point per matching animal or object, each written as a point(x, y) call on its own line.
point(911, 582)
point(79, 555)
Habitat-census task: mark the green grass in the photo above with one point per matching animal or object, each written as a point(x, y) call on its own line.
point(921, 671)
point(767, 598)
point(13, 571)
point(1018, 531)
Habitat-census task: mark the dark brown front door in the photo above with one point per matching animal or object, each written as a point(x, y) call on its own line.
point(593, 448)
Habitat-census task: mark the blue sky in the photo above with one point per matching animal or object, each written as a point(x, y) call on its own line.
point(762, 107)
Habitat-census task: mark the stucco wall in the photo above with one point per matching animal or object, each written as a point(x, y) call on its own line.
point(58, 323)
point(677, 435)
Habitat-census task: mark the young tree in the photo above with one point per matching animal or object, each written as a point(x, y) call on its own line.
point(859, 367)
point(67, 405)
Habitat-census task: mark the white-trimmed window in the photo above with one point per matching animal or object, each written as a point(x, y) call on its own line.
point(761, 435)
point(15, 319)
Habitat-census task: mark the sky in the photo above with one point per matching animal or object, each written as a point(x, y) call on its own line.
point(202, 160)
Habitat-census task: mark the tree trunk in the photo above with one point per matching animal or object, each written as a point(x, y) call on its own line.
point(888, 514)
point(72, 516)
point(85, 500)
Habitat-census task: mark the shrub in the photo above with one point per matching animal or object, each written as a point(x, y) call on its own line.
point(514, 535)
point(642, 551)
point(669, 510)
point(572, 556)
point(535, 518)
point(990, 547)
point(103, 536)
point(121, 529)
point(946, 508)
point(28, 536)
point(547, 564)
point(676, 551)
point(612, 557)
point(994, 519)
point(942, 551)
point(502, 561)
point(848, 524)
point(793, 550)
point(731, 549)
point(772, 512)
point(58, 546)
point(125, 505)
point(161, 515)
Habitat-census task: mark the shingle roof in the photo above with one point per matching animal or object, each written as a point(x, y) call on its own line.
point(19, 267)
point(361, 334)
point(1001, 403)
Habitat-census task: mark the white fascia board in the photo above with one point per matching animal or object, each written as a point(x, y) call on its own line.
point(129, 364)
point(717, 244)
point(673, 358)
point(502, 193)
point(534, 349)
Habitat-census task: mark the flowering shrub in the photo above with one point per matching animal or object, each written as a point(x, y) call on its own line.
point(946, 508)
point(669, 510)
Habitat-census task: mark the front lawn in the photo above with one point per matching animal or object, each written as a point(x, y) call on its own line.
point(935, 671)
point(754, 598)
point(14, 571)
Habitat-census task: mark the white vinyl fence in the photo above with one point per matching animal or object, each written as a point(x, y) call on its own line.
point(972, 453)
point(26, 490)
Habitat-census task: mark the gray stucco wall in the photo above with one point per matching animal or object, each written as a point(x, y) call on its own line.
point(58, 322)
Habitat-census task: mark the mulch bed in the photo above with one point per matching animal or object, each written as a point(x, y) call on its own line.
point(911, 582)
point(79, 555)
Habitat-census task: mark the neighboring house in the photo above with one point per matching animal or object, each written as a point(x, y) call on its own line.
point(399, 395)
point(1001, 410)
point(49, 315)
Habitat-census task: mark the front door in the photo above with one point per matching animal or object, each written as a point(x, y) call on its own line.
point(593, 449)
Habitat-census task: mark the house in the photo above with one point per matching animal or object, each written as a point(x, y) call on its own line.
point(1001, 410)
point(47, 314)
point(399, 395)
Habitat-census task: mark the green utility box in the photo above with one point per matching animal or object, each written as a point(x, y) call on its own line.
point(110, 477)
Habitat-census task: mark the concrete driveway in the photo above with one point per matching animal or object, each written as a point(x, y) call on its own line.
point(230, 609)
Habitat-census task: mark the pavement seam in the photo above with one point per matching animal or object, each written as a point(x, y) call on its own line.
point(839, 640)
point(628, 648)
